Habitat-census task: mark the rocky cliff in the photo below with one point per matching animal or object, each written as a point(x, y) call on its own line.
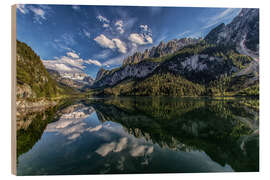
point(138, 70)
point(243, 32)
point(161, 50)
point(135, 66)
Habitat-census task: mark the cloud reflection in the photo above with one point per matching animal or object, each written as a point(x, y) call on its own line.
point(72, 124)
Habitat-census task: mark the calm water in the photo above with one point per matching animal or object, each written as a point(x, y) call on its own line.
point(139, 135)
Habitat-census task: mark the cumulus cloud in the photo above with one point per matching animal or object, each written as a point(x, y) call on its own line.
point(70, 63)
point(65, 64)
point(104, 20)
point(119, 26)
point(120, 45)
point(105, 42)
point(73, 55)
point(140, 39)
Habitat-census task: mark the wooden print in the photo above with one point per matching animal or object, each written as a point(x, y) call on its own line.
point(128, 89)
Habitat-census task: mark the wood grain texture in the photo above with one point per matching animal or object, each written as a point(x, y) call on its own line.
point(13, 90)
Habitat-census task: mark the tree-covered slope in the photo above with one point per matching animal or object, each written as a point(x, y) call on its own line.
point(196, 70)
point(33, 80)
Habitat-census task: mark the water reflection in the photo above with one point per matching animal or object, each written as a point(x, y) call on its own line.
point(142, 135)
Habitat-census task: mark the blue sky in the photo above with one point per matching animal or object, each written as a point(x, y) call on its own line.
point(86, 38)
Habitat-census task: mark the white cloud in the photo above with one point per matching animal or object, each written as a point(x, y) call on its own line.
point(103, 19)
point(149, 39)
point(119, 26)
point(73, 55)
point(120, 45)
point(140, 39)
point(103, 41)
point(106, 25)
point(70, 63)
point(62, 67)
point(106, 149)
point(136, 38)
point(144, 27)
point(72, 124)
point(38, 12)
point(65, 64)
point(95, 62)
point(22, 8)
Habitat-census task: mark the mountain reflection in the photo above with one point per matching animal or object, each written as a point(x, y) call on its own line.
point(223, 129)
point(138, 135)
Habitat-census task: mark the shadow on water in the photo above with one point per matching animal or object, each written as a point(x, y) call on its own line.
point(141, 135)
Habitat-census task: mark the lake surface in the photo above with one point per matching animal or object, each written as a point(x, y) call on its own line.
point(139, 135)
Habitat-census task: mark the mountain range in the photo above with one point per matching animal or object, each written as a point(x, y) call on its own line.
point(225, 62)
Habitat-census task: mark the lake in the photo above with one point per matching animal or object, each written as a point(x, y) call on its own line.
point(139, 135)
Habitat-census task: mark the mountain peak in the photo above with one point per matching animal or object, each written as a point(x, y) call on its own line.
point(160, 50)
point(243, 30)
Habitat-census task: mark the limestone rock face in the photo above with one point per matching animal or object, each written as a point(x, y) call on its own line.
point(111, 78)
point(243, 32)
point(161, 50)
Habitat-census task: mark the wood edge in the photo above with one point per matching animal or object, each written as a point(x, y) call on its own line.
point(13, 91)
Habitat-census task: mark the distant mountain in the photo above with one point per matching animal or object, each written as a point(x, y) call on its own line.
point(33, 80)
point(224, 63)
point(75, 84)
point(77, 80)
